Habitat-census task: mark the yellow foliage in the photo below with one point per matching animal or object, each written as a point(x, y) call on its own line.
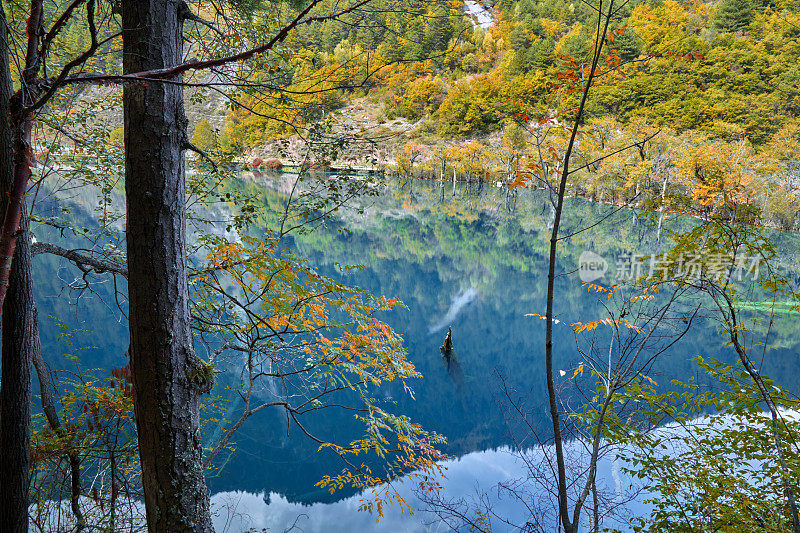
point(332, 329)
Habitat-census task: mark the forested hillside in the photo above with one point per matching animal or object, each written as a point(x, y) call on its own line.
point(422, 88)
point(728, 69)
point(431, 91)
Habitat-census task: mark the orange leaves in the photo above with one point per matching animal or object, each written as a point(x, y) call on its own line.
point(580, 327)
point(629, 325)
point(572, 76)
point(652, 382)
point(593, 287)
point(520, 180)
point(613, 60)
point(645, 293)
point(613, 34)
point(408, 390)
point(522, 116)
point(588, 326)
point(569, 60)
point(578, 371)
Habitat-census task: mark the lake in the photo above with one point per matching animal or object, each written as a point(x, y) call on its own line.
point(467, 257)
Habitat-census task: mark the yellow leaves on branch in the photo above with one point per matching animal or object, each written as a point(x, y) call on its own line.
point(332, 328)
point(646, 293)
point(588, 326)
point(593, 287)
point(718, 173)
point(579, 327)
point(413, 451)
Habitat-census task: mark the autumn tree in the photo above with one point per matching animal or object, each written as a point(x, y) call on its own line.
point(575, 496)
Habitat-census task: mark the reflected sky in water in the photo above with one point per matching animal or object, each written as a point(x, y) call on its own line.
point(471, 260)
point(474, 476)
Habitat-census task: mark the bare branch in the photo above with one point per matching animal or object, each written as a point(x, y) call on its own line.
point(83, 261)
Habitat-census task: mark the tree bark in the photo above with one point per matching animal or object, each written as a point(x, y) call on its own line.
point(20, 119)
point(15, 391)
point(168, 378)
point(17, 327)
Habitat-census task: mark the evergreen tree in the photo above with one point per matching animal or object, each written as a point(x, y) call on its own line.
point(541, 54)
point(734, 15)
point(533, 25)
point(518, 38)
point(628, 45)
point(415, 33)
point(438, 31)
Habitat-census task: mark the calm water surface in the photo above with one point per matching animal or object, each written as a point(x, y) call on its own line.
point(471, 259)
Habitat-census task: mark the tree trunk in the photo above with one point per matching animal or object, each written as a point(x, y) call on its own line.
point(168, 378)
point(15, 392)
point(51, 414)
point(17, 327)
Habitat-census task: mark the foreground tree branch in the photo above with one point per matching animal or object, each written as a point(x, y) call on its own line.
point(50, 413)
point(570, 523)
point(83, 261)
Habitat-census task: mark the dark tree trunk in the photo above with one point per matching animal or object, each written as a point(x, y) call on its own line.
point(15, 392)
point(168, 378)
point(17, 326)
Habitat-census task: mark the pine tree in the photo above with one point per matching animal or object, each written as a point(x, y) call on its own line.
point(734, 15)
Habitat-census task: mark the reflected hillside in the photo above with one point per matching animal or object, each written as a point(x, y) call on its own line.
point(469, 257)
point(473, 260)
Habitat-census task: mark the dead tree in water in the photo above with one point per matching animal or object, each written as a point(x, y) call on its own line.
point(447, 347)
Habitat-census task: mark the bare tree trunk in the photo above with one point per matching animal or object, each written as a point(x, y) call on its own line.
point(570, 525)
point(50, 413)
point(17, 327)
point(168, 378)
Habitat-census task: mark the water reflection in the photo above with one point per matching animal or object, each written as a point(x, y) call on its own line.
point(473, 261)
point(451, 362)
point(476, 480)
point(463, 299)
